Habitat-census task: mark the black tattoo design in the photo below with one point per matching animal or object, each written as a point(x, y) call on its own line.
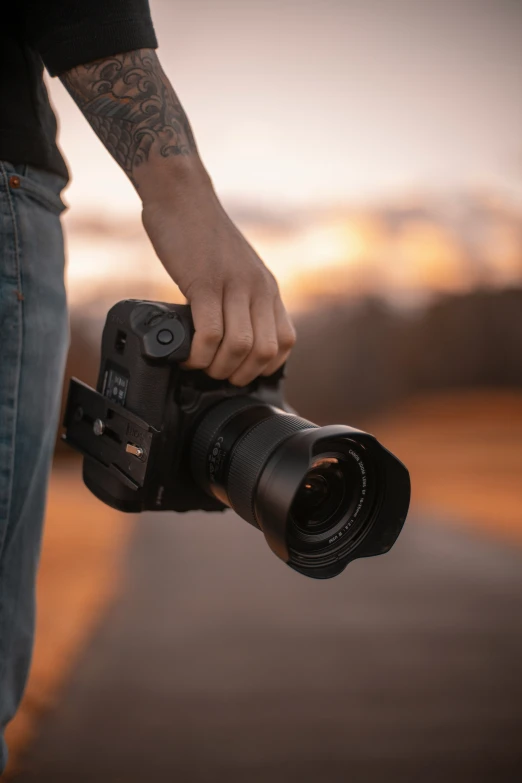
point(132, 107)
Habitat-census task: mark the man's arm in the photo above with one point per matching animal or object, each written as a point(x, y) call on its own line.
point(242, 327)
point(131, 105)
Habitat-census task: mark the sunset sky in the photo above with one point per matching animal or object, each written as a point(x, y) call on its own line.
point(314, 103)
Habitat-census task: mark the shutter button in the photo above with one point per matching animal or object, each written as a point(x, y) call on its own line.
point(165, 337)
point(14, 181)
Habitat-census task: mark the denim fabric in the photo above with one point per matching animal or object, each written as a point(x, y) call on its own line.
point(34, 337)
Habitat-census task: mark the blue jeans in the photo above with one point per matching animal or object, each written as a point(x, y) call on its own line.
point(34, 336)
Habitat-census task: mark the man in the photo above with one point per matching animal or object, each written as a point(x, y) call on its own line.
point(104, 53)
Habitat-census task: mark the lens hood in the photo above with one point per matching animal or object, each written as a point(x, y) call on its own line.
point(372, 521)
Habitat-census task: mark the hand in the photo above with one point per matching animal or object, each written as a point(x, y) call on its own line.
point(242, 329)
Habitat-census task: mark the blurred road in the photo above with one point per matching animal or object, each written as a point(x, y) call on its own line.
point(220, 664)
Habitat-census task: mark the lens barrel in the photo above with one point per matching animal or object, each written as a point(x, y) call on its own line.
point(315, 492)
point(231, 445)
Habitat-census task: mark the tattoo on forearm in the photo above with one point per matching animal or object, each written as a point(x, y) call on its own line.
point(131, 105)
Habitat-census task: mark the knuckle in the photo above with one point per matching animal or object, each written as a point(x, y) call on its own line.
point(288, 339)
point(271, 286)
point(203, 287)
point(240, 345)
point(269, 277)
point(243, 376)
point(263, 282)
point(266, 352)
point(274, 288)
point(212, 334)
point(288, 343)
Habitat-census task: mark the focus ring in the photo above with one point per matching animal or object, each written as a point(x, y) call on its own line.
point(214, 420)
point(250, 455)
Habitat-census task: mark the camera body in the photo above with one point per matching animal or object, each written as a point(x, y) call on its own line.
point(159, 437)
point(142, 345)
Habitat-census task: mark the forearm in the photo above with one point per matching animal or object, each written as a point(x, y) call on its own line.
point(242, 329)
point(131, 105)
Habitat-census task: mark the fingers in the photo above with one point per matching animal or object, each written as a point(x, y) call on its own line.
point(207, 314)
point(238, 337)
point(286, 337)
point(264, 347)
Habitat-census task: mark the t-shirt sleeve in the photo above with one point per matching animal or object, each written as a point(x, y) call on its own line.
point(67, 33)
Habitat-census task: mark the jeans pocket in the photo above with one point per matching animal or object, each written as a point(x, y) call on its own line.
point(39, 185)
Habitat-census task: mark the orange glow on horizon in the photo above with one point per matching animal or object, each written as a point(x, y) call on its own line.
point(330, 254)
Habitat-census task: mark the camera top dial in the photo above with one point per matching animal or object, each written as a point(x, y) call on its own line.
point(164, 333)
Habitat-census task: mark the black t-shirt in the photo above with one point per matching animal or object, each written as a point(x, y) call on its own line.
point(57, 34)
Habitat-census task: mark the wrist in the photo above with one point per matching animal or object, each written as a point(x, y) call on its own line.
point(162, 179)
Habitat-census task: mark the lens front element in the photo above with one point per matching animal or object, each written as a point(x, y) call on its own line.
point(331, 507)
point(319, 499)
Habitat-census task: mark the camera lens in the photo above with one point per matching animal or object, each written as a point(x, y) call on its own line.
point(309, 489)
point(232, 443)
point(319, 500)
point(330, 507)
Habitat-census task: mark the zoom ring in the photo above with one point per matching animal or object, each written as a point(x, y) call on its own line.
point(250, 455)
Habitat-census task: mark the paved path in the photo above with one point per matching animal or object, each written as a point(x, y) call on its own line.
point(221, 665)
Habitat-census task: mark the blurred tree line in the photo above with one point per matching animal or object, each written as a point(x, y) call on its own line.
point(359, 356)
point(364, 356)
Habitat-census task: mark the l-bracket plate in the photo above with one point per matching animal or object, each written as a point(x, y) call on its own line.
point(106, 432)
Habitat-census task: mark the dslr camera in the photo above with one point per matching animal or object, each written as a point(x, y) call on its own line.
point(158, 437)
